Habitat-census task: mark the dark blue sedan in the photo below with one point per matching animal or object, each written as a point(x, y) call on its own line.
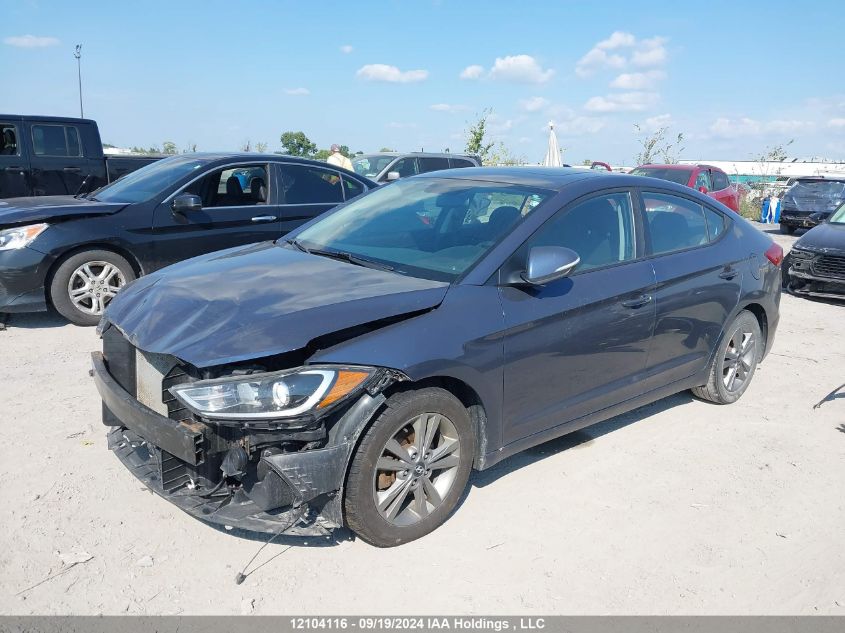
point(355, 372)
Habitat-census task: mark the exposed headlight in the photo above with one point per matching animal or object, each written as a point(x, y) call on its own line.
point(273, 395)
point(20, 236)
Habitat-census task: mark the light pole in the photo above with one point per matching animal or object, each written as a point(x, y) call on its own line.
point(78, 54)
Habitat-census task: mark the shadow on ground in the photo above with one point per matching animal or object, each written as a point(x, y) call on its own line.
point(577, 439)
point(32, 320)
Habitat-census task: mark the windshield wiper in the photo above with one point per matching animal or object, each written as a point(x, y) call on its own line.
point(351, 258)
point(297, 244)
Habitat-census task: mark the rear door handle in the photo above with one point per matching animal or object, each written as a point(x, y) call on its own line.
point(729, 274)
point(264, 218)
point(13, 169)
point(637, 302)
point(72, 169)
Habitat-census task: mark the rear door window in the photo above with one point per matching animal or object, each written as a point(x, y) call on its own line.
point(9, 140)
point(461, 162)
point(433, 164)
point(703, 180)
point(673, 223)
point(303, 184)
point(55, 140)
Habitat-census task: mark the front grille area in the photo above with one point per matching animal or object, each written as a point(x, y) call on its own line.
point(830, 266)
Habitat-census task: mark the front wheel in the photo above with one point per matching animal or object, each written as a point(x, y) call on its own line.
point(734, 362)
point(85, 283)
point(411, 467)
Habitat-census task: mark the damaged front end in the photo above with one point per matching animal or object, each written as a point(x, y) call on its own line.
point(256, 446)
point(816, 273)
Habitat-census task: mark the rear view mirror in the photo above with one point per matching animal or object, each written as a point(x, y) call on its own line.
point(548, 263)
point(186, 203)
point(392, 175)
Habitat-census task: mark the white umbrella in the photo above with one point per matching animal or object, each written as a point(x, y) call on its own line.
point(552, 158)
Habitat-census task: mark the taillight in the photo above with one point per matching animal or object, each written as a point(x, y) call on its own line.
point(774, 254)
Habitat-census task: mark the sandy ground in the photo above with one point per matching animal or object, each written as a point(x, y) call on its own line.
point(677, 508)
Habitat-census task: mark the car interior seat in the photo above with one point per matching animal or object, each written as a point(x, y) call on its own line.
point(257, 190)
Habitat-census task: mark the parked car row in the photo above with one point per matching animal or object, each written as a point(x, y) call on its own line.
point(389, 166)
point(46, 156)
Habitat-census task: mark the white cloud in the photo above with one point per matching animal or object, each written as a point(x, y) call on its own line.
point(836, 123)
point(390, 74)
point(448, 107)
point(654, 123)
point(31, 41)
point(472, 72)
point(651, 52)
point(534, 104)
point(638, 81)
point(622, 102)
point(520, 68)
point(346, 49)
point(643, 53)
point(579, 126)
point(297, 91)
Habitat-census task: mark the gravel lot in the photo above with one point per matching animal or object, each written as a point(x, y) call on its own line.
point(680, 507)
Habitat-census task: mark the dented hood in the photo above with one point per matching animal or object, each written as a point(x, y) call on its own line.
point(18, 211)
point(259, 300)
point(824, 238)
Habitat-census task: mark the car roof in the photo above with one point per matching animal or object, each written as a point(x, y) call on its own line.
point(669, 166)
point(550, 178)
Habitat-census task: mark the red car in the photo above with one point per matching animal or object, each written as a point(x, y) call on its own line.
point(707, 179)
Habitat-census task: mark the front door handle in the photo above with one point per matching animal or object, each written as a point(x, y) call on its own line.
point(264, 218)
point(637, 302)
point(730, 273)
point(74, 169)
point(13, 169)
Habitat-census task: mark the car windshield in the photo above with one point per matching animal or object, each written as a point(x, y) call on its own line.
point(434, 228)
point(680, 176)
point(371, 165)
point(149, 181)
point(833, 189)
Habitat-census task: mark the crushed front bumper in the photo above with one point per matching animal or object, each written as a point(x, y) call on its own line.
point(299, 493)
point(816, 274)
point(22, 275)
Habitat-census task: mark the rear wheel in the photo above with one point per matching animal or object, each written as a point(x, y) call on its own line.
point(411, 468)
point(85, 283)
point(734, 362)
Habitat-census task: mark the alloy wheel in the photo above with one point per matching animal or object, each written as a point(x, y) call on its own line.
point(740, 356)
point(93, 285)
point(416, 469)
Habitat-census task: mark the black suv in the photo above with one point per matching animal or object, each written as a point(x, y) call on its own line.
point(810, 201)
point(388, 166)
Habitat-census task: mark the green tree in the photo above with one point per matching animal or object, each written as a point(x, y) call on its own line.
point(386, 149)
point(476, 141)
point(322, 154)
point(261, 147)
point(297, 144)
point(169, 147)
point(655, 145)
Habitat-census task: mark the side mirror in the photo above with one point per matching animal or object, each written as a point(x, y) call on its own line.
point(393, 175)
point(548, 263)
point(703, 189)
point(186, 203)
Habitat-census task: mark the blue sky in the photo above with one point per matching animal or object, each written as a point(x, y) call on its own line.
point(735, 77)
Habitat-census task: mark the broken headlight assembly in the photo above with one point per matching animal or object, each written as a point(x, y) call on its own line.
point(20, 236)
point(275, 395)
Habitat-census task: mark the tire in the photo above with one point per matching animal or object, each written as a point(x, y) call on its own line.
point(86, 308)
point(726, 358)
point(428, 496)
point(787, 229)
